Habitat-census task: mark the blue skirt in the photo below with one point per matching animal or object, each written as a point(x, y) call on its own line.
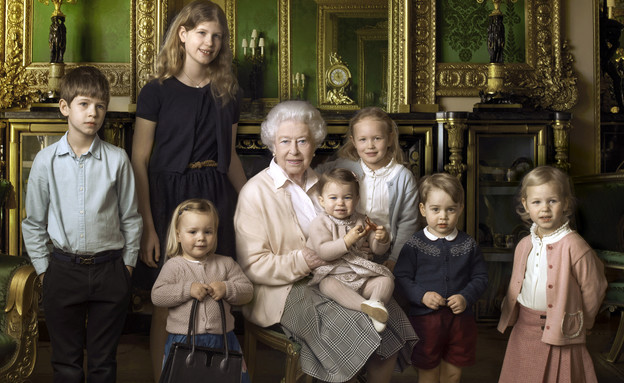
point(212, 341)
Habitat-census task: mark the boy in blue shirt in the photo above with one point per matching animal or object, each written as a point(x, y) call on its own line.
point(441, 272)
point(82, 232)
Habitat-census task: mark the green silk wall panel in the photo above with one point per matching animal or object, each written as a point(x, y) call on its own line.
point(462, 31)
point(303, 44)
point(98, 31)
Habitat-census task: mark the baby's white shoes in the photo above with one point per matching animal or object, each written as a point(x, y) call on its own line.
point(377, 313)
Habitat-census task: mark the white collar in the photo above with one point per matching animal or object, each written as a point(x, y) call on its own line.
point(450, 237)
point(381, 172)
point(553, 237)
point(280, 178)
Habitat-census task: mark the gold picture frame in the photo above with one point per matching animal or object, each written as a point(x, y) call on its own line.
point(546, 75)
point(147, 21)
point(398, 57)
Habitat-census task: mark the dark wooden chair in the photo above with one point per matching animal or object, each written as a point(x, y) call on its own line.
point(277, 341)
point(600, 220)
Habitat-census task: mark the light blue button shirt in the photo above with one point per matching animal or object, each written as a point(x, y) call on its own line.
point(84, 205)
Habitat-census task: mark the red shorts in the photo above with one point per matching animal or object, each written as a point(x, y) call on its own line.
point(444, 335)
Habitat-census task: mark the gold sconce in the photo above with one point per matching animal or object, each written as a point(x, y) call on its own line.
point(255, 56)
point(298, 85)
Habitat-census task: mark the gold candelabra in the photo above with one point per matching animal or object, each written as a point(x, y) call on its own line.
point(298, 85)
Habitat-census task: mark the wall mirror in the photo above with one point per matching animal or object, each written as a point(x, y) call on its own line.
point(371, 36)
point(352, 37)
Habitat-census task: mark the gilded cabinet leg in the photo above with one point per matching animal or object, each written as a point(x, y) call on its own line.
point(561, 127)
point(455, 124)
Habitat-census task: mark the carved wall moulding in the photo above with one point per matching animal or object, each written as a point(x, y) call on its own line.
point(146, 28)
point(546, 77)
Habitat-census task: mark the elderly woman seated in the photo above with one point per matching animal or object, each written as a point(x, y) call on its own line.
point(272, 217)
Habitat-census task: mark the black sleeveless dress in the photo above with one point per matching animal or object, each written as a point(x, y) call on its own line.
point(191, 127)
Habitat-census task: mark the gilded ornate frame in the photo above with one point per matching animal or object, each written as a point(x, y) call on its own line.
point(146, 22)
point(364, 36)
point(18, 22)
point(398, 57)
point(345, 8)
point(546, 75)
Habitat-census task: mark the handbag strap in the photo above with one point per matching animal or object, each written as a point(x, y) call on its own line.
point(190, 338)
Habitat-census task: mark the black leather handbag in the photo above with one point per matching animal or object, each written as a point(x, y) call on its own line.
point(188, 363)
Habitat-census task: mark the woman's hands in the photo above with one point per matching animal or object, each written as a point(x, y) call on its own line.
point(216, 290)
point(312, 259)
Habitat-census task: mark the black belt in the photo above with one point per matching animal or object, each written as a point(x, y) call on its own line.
point(93, 259)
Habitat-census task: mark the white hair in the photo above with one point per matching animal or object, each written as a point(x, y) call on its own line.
point(301, 111)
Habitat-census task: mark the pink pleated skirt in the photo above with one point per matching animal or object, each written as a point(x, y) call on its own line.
point(528, 359)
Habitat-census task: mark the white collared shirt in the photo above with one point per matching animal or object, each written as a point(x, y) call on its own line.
point(431, 236)
point(374, 193)
point(533, 292)
point(306, 207)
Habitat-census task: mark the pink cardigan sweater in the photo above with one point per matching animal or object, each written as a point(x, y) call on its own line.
point(576, 285)
point(269, 241)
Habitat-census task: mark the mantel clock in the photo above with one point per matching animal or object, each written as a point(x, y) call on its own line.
point(338, 77)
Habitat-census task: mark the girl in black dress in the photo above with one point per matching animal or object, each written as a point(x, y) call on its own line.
point(183, 145)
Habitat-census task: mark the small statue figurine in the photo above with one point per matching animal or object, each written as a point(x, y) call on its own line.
point(496, 38)
point(57, 39)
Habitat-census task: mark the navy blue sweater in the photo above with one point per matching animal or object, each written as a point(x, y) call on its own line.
point(446, 267)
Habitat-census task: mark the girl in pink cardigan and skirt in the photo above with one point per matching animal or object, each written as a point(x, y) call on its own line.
point(555, 291)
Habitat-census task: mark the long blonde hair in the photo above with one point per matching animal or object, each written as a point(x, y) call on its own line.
point(170, 60)
point(195, 205)
point(348, 150)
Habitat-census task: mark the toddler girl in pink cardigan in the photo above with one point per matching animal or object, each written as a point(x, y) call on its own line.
point(555, 291)
point(193, 270)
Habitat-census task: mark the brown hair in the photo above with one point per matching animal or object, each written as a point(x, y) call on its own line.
point(195, 205)
point(349, 151)
point(443, 181)
point(341, 176)
point(542, 175)
point(170, 60)
point(86, 81)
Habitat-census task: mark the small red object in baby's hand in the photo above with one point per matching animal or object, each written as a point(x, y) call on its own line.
point(370, 225)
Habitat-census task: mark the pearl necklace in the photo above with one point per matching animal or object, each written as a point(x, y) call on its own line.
point(197, 85)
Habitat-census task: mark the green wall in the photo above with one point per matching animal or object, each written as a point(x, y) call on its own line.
point(303, 44)
point(462, 31)
point(98, 31)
